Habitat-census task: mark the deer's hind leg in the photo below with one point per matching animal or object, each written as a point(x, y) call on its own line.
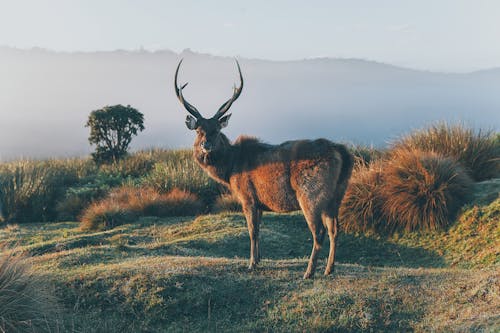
point(317, 229)
point(331, 223)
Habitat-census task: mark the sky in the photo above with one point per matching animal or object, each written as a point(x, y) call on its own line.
point(446, 35)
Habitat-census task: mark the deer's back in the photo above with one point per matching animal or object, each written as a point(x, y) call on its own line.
point(277, 177)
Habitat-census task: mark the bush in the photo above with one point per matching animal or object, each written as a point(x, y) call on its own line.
point(478, 151)
point(125, 204)
point(26, 305)
point(179, 170)
point(80, 196)
point(29, 190)
point(422, 190)
point(105, 215)
point(227, 203)
point(361, 209)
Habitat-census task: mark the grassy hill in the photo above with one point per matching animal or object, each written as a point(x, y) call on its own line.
point(420, 251)
point(181, 274)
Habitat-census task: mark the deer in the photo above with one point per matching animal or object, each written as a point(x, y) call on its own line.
point(307, 175)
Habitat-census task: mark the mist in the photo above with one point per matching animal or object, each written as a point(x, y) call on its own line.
point(45, 98)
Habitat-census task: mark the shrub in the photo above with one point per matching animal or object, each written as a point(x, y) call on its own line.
point(125, 204)
point(183, 173)
point(79, 197)
point(29, 190)
point(362, 204)
point(105, 215)
point(422, 190)
point(26, 305)
point(174, 203)
point(478, 151)
point(227, 203)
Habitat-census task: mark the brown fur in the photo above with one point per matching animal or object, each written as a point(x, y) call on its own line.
point(307, 175)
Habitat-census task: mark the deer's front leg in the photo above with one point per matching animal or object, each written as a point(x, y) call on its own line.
point(253, 217)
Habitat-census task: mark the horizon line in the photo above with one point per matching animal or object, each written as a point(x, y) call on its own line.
point(144, 50)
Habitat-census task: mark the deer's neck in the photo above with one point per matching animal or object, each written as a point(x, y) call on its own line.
point(218, 164)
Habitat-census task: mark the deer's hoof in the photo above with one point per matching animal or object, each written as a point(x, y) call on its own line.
point(308, 275)
point(252, 266)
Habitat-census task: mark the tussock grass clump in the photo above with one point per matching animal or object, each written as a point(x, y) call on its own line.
point(362, 204)
point(226, 203)
point(478, 151)
point(106, 214)
point(422, 190)
point(125, 204)
point(26, 305)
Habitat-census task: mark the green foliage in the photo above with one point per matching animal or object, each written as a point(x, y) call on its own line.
point(29, 190)
point(478, 151)
point(89, 189)
point(111, 131)
point(60, 189)
point(179, 170)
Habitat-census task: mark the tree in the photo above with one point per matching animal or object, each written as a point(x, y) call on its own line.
point(111, 130)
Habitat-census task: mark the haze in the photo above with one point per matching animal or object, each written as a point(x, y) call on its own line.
point(357, 71)
point(47, 96)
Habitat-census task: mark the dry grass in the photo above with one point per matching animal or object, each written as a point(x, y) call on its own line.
point(362, 204)
point(409, 190)
point(478, 151)
point(422, 190)
point(226, 203)
point(126, 203)
point(26, 305)
point(364, 155)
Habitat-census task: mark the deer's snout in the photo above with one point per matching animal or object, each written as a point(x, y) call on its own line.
point(206, 147)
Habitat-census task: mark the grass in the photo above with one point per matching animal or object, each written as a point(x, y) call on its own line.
point(361, 209)
point(477, 150)
point(226, 203)
point(189, 274)
point(125, 204)
point(26, 303)
point(55, 190)
point(408, 190)
point(422, 190)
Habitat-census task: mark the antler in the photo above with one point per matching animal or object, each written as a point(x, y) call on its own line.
point(236, 93)
point(178, 91)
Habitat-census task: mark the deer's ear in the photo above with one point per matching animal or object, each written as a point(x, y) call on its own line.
point(224, 120)
point(191, 122)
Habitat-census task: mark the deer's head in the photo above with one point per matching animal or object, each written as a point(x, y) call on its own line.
point(208, 138)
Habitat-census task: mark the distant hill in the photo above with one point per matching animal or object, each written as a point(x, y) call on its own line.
point(45, 98)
